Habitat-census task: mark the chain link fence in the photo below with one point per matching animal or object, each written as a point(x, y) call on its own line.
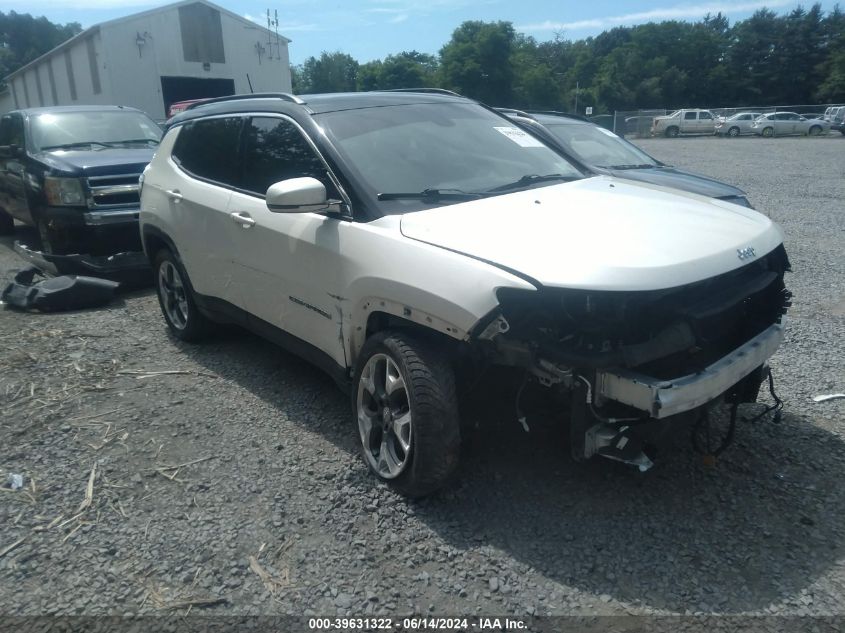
point(637, 123)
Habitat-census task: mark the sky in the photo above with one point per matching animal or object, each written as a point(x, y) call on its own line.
point(373, 29)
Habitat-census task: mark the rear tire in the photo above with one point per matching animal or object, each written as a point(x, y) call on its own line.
point(672, 132)
point(7, 223)
point(176, 298)
point(405, 405)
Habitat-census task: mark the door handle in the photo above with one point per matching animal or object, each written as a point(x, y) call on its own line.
point(242, 218)
point(174, 195)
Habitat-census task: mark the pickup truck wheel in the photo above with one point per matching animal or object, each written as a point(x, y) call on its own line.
point(672, 132)
point(176, 299)
point(7, 223)
point(406, 409)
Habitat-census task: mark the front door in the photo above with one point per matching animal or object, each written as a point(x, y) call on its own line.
point(12, 166)
point(289, 264)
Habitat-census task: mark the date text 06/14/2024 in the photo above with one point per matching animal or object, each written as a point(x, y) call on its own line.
point(416, 624)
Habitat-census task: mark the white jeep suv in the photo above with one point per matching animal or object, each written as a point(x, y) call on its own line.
point(405, 241)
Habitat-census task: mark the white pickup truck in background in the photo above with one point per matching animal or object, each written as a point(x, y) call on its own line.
point(692, 121)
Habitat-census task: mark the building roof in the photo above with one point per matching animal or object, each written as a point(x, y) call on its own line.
point(167, 7)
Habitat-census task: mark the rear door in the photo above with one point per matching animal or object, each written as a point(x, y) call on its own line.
point(197, 188)
point(689, 122)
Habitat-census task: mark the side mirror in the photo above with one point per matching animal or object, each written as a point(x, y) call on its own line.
point(297, 195)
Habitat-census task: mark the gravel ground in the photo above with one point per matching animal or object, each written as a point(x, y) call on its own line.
point(234, 486)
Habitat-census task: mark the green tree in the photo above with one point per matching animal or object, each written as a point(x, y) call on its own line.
point(24, 38)
point(331, 72)
point(477, 61)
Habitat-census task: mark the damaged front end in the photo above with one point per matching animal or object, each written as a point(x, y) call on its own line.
point(633, 365)
point(130, 267)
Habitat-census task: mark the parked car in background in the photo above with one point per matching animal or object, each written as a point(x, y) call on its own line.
point(603, 152)
point(836, 113)
point(838, 122)
point(181, 106)
point(692, 121)
point(407, 242)
point(638, 125)
point(736, 125)
point(787, 123)
point(72, 172)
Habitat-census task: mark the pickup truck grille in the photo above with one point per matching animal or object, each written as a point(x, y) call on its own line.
point(113, 192)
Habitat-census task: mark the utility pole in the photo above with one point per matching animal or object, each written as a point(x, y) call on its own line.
point(577, 86)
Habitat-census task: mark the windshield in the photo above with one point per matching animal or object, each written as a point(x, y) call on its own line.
point(451, 148)
point(91, 127)
point(596, 146)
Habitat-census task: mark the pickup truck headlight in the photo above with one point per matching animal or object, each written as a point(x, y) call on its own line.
point(64, 192)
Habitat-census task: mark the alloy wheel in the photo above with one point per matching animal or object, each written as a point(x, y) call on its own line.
point(173, 296)
point(384, 416)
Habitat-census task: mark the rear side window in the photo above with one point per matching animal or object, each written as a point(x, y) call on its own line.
point(274, 150)
point(208, 149)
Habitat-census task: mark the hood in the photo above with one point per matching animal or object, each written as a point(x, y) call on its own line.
point(98, 162)
point(664, 117)
point(677, 179)
point(600, 233)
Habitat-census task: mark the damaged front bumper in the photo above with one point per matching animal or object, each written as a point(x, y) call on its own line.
point(130, 267)
point(662, 398)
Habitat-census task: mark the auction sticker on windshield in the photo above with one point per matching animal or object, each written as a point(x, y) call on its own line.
point(520, 137)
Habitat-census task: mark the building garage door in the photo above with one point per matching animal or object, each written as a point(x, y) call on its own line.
point(175, 89)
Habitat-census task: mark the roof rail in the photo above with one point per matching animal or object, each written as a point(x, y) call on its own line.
point(440, 91)
point(514, 111)
point(284, 96)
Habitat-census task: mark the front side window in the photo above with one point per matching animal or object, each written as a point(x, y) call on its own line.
point(705, 116)
point(208, 148)
point(97, 128)
point(454, 148)
point(11, 131)
point(689, 116)
point(274, 150)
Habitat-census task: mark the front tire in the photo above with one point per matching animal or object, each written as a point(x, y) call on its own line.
point(672, 132)
point(53, 242)
point(733, 132)
point(814, 130)
point(768, 132)
point(176, 299)
point(405, 406)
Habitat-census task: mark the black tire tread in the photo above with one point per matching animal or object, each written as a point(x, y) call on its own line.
point(430, 380)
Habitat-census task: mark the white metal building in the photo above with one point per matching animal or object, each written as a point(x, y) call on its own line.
point(187, 50)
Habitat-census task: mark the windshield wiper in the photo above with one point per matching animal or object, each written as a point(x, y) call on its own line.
point(639, 166)
point(530, 179)
point(432, 194)
point(137, 140)
point(76, 144)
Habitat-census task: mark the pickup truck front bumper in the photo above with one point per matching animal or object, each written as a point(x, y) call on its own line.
point(662, 398)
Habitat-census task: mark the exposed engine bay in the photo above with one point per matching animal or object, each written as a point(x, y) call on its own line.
point(634, 364)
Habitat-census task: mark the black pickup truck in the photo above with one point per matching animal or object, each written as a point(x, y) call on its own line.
point(72, 172)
